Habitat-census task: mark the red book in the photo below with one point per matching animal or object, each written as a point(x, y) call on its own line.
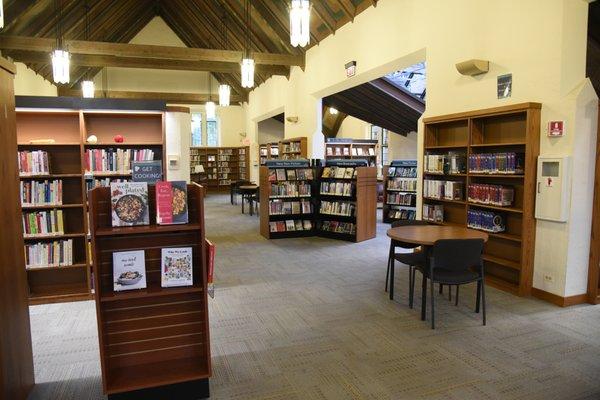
point(210, 267)
point(164, 203)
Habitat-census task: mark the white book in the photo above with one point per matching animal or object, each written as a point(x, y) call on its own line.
point(129, 270)
point(176, 267)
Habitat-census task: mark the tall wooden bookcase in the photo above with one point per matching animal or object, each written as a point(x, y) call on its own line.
point(508, 255)
point(294, 148)
point(152, 337)
point(352, 149)
point(69, 130)
point(222, 165)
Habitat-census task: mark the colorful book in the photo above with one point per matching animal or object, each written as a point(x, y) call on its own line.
point(176, 267)
point(171, 202)
point(129, 203)
point(129, 270)
point(280, 174)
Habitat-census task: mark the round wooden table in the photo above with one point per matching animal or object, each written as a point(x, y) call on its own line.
point(248, 192)
point(426, 236)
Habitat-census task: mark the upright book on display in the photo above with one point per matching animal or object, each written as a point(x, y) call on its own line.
point(129, 203)
point(176, 267)
point(129, 270)
point(171, 202)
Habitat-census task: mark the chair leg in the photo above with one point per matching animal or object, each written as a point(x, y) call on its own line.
point(433, 304)
point(441, 288)
point(477, 302)
point(456, 299)
point(412, 288)
point(449, 293)
point(423, 297)
point(387, 273)
point(392, 280)
point(483, 301)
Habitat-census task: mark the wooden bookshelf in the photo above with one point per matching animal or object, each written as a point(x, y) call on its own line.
point(294, 148)
point(403, 182)
point(508, 255)
point(153, 337)
point(69, 130)
point(222, 166)
point(268, 199)
point(352, 149)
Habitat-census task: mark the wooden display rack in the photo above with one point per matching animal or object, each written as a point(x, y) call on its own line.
point(69, 130)
point(389, 207)
point(352, 149)
point(218, 172)
point(294, 148)
point(154, 337)
point(508, 255)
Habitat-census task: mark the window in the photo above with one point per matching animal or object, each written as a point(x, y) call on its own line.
point(212, 133)
point(381, 135)
point(196, 129)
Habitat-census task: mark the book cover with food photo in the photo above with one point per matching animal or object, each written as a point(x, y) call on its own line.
point(171, 202)
point(129, 203)
point(129, 270)
point(176, 267)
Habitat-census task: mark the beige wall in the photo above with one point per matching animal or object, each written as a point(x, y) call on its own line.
point(28, 83)
point(541, 42)
point(354, 128)
point(270, 131)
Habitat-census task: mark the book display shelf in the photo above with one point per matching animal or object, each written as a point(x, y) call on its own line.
point(286, 199)
point(295, 148)
point(352, 149)
point(156, 336)
point(221, 166)
point(480, 172)
point(54, 178)
point(400, 191)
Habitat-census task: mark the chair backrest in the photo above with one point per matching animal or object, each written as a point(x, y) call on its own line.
point(407, 222)
point(457, 254)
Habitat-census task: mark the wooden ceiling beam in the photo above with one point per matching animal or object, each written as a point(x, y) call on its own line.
point(323, 18)
point(349, 13)
point(148, 51)
point(174, 98)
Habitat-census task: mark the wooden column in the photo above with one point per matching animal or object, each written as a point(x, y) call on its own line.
point(594, 267)
point(16, 358)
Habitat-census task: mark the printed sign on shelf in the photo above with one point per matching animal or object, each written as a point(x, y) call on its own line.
point(556, 128)
point(147, 171)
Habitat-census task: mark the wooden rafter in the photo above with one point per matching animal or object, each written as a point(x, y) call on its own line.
point(172, 98)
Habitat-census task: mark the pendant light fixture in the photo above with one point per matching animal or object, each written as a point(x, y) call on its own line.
point(224, 89)
point(247, 62)
point(61, 58)
point(1, 14)
point(87, 86)
point(300, 23)
point(209, 106)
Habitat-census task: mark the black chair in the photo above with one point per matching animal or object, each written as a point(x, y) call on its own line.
point(234, 188)
point(411, 259)
point(453, 262)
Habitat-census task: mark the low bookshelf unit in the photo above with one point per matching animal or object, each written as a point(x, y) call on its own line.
point(400, 191)
point(154, 341)
point(216, 168)
point(480, 172)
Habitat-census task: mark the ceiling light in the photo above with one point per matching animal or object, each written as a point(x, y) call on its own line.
point(1, 14)
point(333, 111)
point(87, 88)
point(224, 95)
point(247, 72)
point(60, 66)
point(300, 23)
point(211, 109)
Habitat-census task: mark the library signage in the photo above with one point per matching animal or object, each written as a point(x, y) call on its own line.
point(556, 128)
point(347, 163)
point(287, 163)
point(147, 171)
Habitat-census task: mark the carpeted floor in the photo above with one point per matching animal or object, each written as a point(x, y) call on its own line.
point(308, 319)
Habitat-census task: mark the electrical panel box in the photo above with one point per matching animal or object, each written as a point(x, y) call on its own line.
point(553, 183)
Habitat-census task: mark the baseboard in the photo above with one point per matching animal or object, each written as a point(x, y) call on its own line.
point(558, 300)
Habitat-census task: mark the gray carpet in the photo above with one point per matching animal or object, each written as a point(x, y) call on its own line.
point(308, 319)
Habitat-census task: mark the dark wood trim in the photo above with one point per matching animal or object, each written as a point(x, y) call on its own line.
point(558, 300)
point(8, 66)
point(594, 264)
point(178, 109)
point(476, 113)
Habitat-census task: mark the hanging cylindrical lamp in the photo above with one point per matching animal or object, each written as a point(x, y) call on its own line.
point(1, 14)
point(300, 23)
point(87, 86)
point(247, 62)
point(209, 106)
point(224, 95)
point(61, 59)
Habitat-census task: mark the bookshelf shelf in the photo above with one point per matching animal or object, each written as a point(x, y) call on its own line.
point(445, 200)
point(352, 149)
point(152, 337)
point(67, 163)
point(222, 166)
point(403, 172)
point(509, 254)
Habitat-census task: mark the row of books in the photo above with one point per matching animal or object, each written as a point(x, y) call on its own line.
point(225, 152)
point(339, 227)
point(290, 189)
point(404, 172)
point(43, 223)
point(290, 225)
point(224, 182)
point(338, 188)
point(451, 163)
point(58, 253)
point(34, 162)
point(346, 151)
point(403, 199)
point(115, 160)
point(497, 163)
point(410, 185)
point(402, 214)
point(486, 221)
point(339, 172)
point(496, 195)
point(449, 190)
point(280, 207)
point(433, 212)
point(226, 158)
point(104, 182)
point(338, 208)
point(41, 193)
point(282, 174)
point(291, 147)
